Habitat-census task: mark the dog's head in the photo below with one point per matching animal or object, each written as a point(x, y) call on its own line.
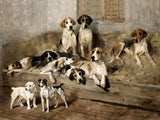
point(48, 56)
point(63, 61)
point(139, 34)
point(30, 86)
point(42, 82)
point(15, 65)
point(97, 53)
point(78, 75)
point(68, 23)
point(85, 21)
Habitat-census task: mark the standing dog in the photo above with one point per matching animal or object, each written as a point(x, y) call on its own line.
point(49, 92)
point(68, 40)
point(135, 47)
point(85, 35)
point(28, 92)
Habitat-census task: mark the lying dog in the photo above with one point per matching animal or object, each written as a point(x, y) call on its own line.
point(85, 35)
point(68, 40)
point(56, 66)
point(28, 93)
point(135, 47)
point(49, 92)
point(96, 68)
point(76, 74)
point(29, 63)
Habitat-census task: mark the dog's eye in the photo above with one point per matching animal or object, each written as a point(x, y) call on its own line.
point(72, 58)
point(66, 22)
point(66, 58)
point(98, 52)
point(80, 73)
point(82, 20)
point(29, 85)
point(75, 76)
point(71, 21)
point(140, 34)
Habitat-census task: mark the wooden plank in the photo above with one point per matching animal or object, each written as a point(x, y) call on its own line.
point(132, 94)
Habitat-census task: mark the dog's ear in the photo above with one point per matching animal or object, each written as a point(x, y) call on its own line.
point(79, 20)
point(73, 21)
point(134, 33)
point(54, 55)
point(63, 23)
point(39, 80)
point(83, 72)
point(71, 76)
point(144, 33)
point(45, 80)
point(90, 19)
point(103, 53)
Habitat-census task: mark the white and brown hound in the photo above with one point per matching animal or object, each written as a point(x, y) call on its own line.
point(136, 47)
point(68, 40)
point(95, 68)
point(85, 35)
point(28, 63)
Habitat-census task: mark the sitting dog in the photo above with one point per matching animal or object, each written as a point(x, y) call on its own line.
point(49, 92)
point(85, 35)
point(28, 93)
point(68, 39)
point(56, 66)
point(95, 68)
point(136, 47)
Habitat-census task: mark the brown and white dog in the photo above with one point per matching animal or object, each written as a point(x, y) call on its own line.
point(28, 63)
point(77, 74)
point(136, 47)
point(85, 35)
point(68, 39)
point(95, 68)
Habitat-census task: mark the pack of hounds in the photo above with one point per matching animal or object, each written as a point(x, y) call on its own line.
point(75, 58)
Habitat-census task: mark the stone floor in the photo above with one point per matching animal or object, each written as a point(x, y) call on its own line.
point(79, 109)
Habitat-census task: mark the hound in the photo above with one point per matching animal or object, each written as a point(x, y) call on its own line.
point(95, 68)
point(29, 63)
point(135, 47)
point(68, 39)
point(28, 93)
point(85, 35)
point(56, 66)
point(49, 92)
point(76, 74)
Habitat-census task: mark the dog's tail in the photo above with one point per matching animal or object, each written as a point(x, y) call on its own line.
point(12, 88)
point(61, 84)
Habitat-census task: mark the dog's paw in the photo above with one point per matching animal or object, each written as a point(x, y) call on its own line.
point(35, 106)
point(29, 108)
point(42, 110)
point(47, 111)
point(55, 106)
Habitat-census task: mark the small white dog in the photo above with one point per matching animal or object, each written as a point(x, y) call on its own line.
point(55, 66)
point(28, 92)
point(50, 92)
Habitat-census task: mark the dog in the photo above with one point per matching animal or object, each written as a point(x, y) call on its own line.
point(76, 74)
point(29, 63)
point(28, 93)
point(68, 42)
point(135, 47)
point(49, 92)
point(95, 68)
point(56, 66)
point(85, 35)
